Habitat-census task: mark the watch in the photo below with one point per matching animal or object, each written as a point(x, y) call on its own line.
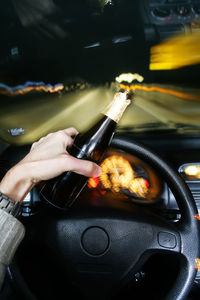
point(10, 206)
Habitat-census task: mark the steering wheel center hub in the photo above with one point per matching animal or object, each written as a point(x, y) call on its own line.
point(95, 240)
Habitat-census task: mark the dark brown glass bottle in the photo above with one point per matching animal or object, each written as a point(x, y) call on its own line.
point(63, 190)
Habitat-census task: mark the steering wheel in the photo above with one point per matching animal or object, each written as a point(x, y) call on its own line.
point(101, 250)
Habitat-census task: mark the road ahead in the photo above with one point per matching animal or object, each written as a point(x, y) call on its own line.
point(24, 119)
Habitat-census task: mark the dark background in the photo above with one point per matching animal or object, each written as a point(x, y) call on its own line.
point(55, 44)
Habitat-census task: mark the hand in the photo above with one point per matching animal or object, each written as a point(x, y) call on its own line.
point(47, 159)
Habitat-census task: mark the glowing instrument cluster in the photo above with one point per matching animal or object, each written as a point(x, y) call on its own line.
point(117, 173)
point(122, 173)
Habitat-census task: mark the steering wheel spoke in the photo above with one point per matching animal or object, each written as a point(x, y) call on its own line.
point(166, 236)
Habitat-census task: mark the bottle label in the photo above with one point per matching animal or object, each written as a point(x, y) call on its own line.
point(117, 107)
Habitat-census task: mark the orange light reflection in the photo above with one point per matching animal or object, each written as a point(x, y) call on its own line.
point(93, 182)
point(197, 216)
point(161, 90)
point(197, 263)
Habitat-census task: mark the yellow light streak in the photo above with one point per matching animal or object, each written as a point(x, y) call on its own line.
point(178, 51)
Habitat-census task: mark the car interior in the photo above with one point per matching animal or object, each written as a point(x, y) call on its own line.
point(134, 231)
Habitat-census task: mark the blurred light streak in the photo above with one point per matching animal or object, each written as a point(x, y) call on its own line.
point(178, 51)
point(161, 90)
point(29, 86)
point(121, 39)
point(129, 77)
point(97, 44)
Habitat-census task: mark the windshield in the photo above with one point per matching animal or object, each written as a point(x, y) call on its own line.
point(60, 63)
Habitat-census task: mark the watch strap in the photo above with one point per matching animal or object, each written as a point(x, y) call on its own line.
point(10, 206)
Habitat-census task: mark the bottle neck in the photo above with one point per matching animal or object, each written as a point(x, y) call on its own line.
point(117, 107)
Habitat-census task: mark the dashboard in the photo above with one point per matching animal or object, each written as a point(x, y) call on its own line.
point(125, 176)
point(112, 189)
point(163, 18)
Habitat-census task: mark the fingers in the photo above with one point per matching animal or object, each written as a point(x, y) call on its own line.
point(63, 137)
point(66, 136)
point(80, 166)
point(52, 158)
point(71, 131)
point(48, 169)
point(70, 135)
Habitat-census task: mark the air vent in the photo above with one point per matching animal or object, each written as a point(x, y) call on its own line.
point(194, 187)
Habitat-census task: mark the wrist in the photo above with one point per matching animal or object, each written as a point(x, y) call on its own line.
point(16, 183)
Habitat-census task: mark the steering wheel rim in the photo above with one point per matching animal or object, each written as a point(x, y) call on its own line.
point(190, 242)
point(187, 227)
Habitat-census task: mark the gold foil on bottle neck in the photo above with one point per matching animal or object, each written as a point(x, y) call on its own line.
point(117, 107)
